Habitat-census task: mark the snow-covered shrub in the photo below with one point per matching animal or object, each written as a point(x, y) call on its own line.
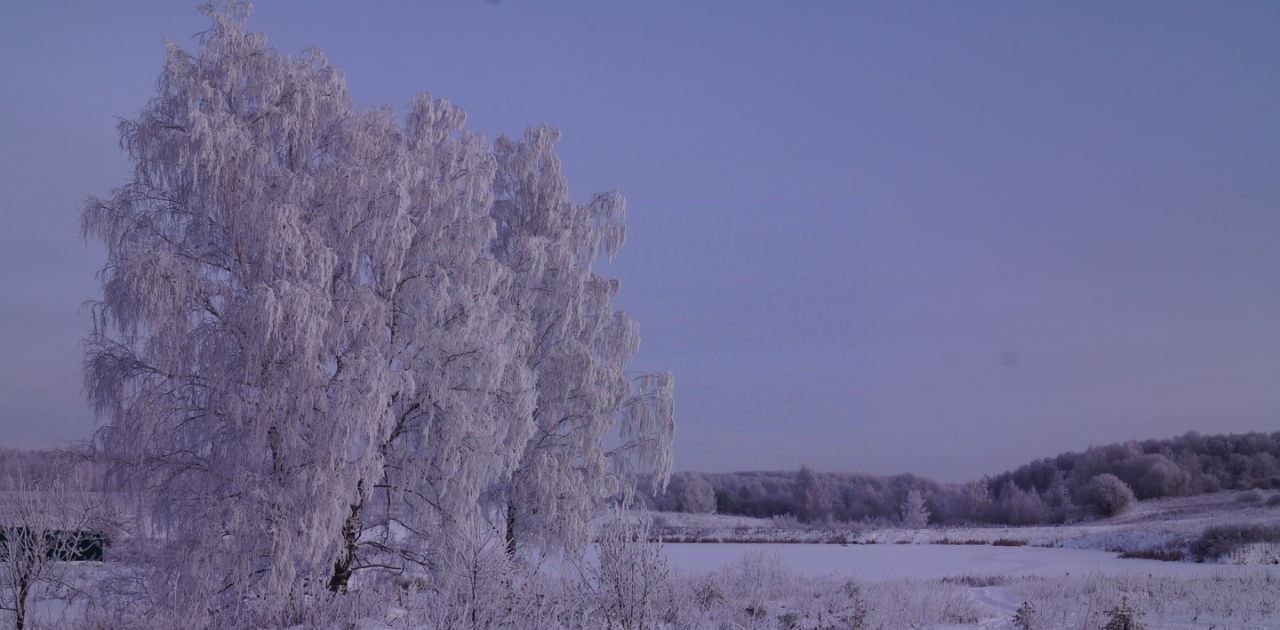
point(1022, 618)
point(1219, 542)
point(759, 578)
point(477, 573)
point(1250, 496)
point(976, 581)
point(912, 604)
point(1107, 495)
point(857, 613)
point(1166, 553)
point(629, 575)
point(786, 521)
point(40, 529)
point(1008, 542)
point(707, 594)
point(1124, 617)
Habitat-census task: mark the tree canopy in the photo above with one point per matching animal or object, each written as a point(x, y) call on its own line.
point(307, 306)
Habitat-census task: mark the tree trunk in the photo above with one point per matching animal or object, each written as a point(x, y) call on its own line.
point(343, 566)
point(511, 529)
point(20, 606)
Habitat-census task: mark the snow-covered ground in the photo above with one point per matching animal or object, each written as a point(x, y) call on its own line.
point(1069, 576)
point(807, 587)
point(812, 586)
point(879, 562)
point(967, 586)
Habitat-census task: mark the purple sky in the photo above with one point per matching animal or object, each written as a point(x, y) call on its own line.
point(943, 238)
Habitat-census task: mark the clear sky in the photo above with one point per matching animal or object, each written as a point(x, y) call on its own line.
point(942, 238)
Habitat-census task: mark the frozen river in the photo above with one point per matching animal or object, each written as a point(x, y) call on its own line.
point(878, 562)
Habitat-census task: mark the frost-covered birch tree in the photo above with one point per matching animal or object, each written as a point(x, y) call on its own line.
point(325, 331)
point(593, 423)
point(228, 353)
point(290, 282)
point(460, 422)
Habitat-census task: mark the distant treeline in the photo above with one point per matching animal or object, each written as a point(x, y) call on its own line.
point(1100, 481)
point(74, 467)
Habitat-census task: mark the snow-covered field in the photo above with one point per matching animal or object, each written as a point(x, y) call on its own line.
point(811, 587)
point(880, 562)
point(1150, 524)
point(1066, 577)
point(1061, 576)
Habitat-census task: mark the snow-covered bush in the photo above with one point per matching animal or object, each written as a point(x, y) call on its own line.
point(41, 528)
point(629, 576)
point(786, 521)
point(1219, 542)
point(1250, 496)
point(1024, 616)
point(1107, 495)
point(1124, 617)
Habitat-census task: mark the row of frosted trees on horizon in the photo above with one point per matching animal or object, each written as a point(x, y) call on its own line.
point(1096, 482)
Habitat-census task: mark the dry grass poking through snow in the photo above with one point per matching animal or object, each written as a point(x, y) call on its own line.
point(760, 592)
point(1227, 601)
